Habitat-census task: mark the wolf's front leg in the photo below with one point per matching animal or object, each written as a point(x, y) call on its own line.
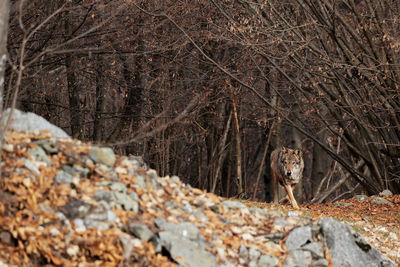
point(289, 191)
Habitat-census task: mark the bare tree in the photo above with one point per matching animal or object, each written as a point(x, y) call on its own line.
point(4, 14)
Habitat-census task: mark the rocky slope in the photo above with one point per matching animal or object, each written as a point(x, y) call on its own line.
point(64, 202)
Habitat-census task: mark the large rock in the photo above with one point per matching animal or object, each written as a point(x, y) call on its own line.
point(28, 121)
point(185, 251)
point(299, 237)
point(346, 249)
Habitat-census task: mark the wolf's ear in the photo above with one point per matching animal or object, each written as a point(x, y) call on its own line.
point(284, 149)
point(298, 152)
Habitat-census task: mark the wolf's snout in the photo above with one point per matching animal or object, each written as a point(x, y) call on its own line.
point(288, 173)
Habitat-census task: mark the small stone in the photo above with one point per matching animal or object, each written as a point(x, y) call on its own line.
point(215, 208)
point(8, 147)
point(275, 237)
point(27, 182)
point(75, 208)
point(101, 217)
point(232, 204)
point(118, 187)
point(293, 214)
point(297, 258)
point(253, 264)
point(200, 215)
point(140, 181)
point(199, 201)
point(102, 155)
point(184, 229)
point(175, 179)
point(73, 250)
point(187, 208)
point(6, 238)
point(63, 177)
point(39, 155)
point(243, 252)
point(152, 173)
point(76, 180)
point(121, 170)
point(103, 195)
point(268, 261)
point(141, 231)
point(79, 225)
point(386, 193)
point(46, 208)
point(83, 172)
point(126, 202)
point(54, 231)
point(247, 236)
point(254, 254)
point(261, 211)
point(137, 162)
point(48, 147)
point(381, 201)
point(360, 197)
point(31, 166)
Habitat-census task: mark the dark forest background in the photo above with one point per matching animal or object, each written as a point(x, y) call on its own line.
point(207, 89)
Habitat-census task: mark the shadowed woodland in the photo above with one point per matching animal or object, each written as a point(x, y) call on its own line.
point(207, 89)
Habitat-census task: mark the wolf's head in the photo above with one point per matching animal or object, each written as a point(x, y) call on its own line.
point(290, 162)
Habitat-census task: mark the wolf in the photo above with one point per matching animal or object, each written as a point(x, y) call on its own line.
point(286, 168)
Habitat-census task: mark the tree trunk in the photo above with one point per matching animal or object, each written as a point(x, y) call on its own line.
point(239, 179)
point(100, 103)
point(320, 163)
point(131, 112)
point(73, 88)
point(4, 14)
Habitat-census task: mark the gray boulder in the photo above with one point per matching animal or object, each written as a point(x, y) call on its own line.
point(28, 121)
point(183, 248)
point(344, 246)
point(298, 237)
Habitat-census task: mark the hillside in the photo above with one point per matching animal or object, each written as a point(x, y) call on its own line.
point(64, 202)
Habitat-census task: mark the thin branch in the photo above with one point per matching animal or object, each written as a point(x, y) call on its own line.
point(145, 134)
point(358, 175)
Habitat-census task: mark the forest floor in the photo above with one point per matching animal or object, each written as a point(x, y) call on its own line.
point(379, 224)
